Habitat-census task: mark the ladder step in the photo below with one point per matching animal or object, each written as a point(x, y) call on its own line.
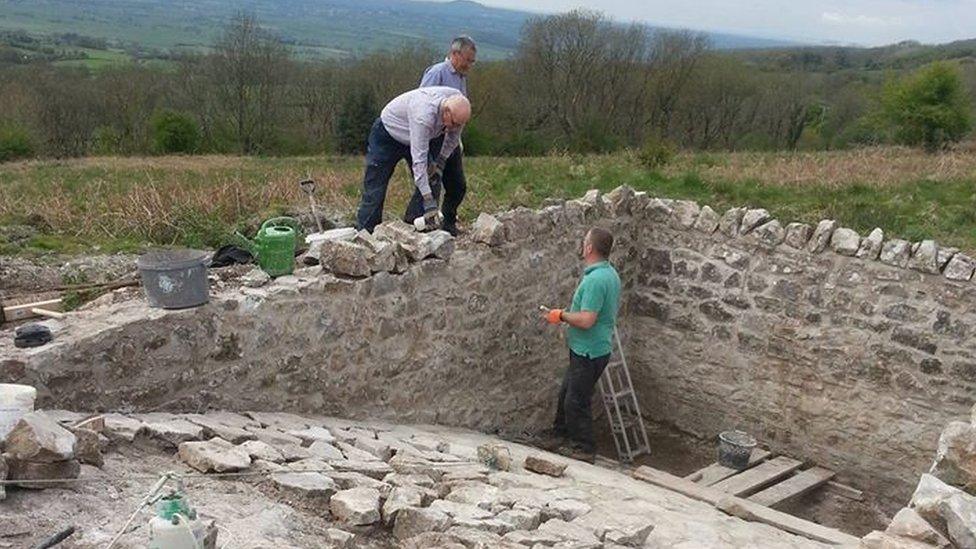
point(619, 394)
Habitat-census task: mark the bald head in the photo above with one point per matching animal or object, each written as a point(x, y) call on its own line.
point(456, 111)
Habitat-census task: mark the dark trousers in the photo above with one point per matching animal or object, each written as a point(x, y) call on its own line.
point(574, 419)
point(455, 185)
point(382, 155)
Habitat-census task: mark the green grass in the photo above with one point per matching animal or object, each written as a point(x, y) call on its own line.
point(113, 204)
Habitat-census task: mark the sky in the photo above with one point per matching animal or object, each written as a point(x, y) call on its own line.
point(862, 22)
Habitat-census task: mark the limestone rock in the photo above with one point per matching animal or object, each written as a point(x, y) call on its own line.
point(960, 267)
point(870, 246)
point(317, 240)
point(257, 449)
point(224, 425)
point(488, 230)
point(845, 241)
point(955, 459)
point(341, 539)
point(37, 437)
point(378, 449)
point(884, 540)
point(567, 531)
point(347, 258)
point(959, 512)
point(944, 256)
point(122, 428)
point(418, 246)
point(26, 471)
point(928, 497)
point(770, 234)
point(752, 219)
point(312, 434)
point(797, 235)
point(88, 447)
point(372, 469)
point(731, 221)
point(658, 210)
point(707, 221)
point(170, 430)
point(399, 498)
point(541, 465)
point(383, 258)
point(353, 453)
point(214, 456)
point(412, 521)
point(908, 524)
point(314, 465)
point(896, 252)
point(460, 510)
point(632, 533)
point(347, 480)
point(520, 519)
point(476, 493)
point(925, 257)
point(326, 451)
point(432, 540)
point(566, 509)
point(533, 538)
point(496, 456)
point(305, 485)
point(821, 236)
point(476, 539)
point(685, 214)
point(255, 278)
point(356, 507)
point(618, 200)
point(591, 197)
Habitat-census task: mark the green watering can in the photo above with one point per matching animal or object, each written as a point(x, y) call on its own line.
point(274, 246)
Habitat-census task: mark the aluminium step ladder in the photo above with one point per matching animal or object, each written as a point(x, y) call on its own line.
point(620, 403)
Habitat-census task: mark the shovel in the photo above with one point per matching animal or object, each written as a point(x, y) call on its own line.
point(308, 185)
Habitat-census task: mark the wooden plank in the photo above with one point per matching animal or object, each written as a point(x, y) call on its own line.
point(844, 490)
point(678, 484)
point(757, 478)
point(747, 510)
point(795, 486)
point(716, 473)
point(21, 312)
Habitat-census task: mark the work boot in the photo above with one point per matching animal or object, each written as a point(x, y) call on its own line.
point(550, 439)
point(575, 451)
point(453, 229)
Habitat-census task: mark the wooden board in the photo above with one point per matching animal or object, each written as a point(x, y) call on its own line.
point(792, 487)
point(844, 490)
point(716, 473)
point(757, 478)
point(678, 484)
point(747, 510)
point(24, 311)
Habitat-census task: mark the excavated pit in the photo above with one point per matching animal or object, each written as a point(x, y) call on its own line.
point(731, 321)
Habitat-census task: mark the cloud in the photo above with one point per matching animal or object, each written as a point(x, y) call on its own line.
point(859, 20)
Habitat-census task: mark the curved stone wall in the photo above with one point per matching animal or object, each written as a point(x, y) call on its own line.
point(850, 352)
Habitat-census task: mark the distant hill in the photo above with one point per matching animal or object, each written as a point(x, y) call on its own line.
point(903, 55)
point(317, 28)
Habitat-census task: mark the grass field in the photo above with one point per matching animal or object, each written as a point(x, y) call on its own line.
point(113, 204)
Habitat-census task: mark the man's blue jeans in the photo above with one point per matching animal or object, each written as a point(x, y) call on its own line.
point(382, 154)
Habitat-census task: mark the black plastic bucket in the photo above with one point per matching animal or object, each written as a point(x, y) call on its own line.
point(734, 449)
point(174, 279)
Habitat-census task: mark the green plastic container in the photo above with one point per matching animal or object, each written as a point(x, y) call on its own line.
point(274, 246)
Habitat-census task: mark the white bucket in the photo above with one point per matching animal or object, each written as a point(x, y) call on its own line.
point(15, 401)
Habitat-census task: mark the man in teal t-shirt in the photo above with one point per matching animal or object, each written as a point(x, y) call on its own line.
point(591, 319)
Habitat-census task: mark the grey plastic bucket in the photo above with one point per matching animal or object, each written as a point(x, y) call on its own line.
point(734, 449)
point(174, 279)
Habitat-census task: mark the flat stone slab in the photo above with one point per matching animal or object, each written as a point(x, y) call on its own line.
point(169, 429)
point(214, 456)
point(356, 507)
point(306, 485)
point(413, 521)
point(261, 450)
point(38, 437)
point(541, 465)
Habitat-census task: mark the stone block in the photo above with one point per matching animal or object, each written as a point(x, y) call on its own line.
point(413, 521)
point(928, 497)
point(544, 466)
point(38, 437)
point(341, 539)
point(945, 255)
point(797, 235)
point(533, 538)
point(476, 493)
point(770, 234)
point(488, 230)
point(122, 428)
point(88, 447)
point(306, 485)
point(821, 236)
point(257, 449)
point(347, 258)
point(925, 257)
point(707, 221)
point(476, 539)
point(629, 531)
point(959, 513)
point(731, 221)
point(896, 252)
point(378, 449)
point(496, 456)
point(960, 267)
point(753, 218)
point(884, 540)
point(520, 519)
point(26, 471)
point(845, 241)
point(685, 214)
point(383, 257)
point(347, 480)
point(312, 434)
point(326, 451)
point(345, 234)
point(565, 509)
point(399, 498)
point(870, 247)
point(658, 210)
point(356, 507)
point(223, 425)
point(618, 200)
point(955, 458)
point(373, 469)
point(908, 524)
point(214, 456)
point(313, 465)
point(255, 278)
point(169, 430)
point(568, 531)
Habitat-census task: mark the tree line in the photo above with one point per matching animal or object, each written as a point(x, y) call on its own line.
point(578, 82)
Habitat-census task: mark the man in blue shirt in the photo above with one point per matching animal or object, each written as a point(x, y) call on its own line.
point(452, 73)
point(591, 318)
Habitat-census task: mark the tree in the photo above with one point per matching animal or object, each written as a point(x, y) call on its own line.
point(250, 69)
point(354, 122)
point(175, 132)
point(929, 107)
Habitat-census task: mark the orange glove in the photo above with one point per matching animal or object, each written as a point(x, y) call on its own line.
point(554, 316)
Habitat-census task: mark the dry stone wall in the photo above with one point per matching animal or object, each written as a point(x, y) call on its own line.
point(850, 352)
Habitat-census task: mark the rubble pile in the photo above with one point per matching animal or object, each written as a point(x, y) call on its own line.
point(942, 511)
point(39, 451)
